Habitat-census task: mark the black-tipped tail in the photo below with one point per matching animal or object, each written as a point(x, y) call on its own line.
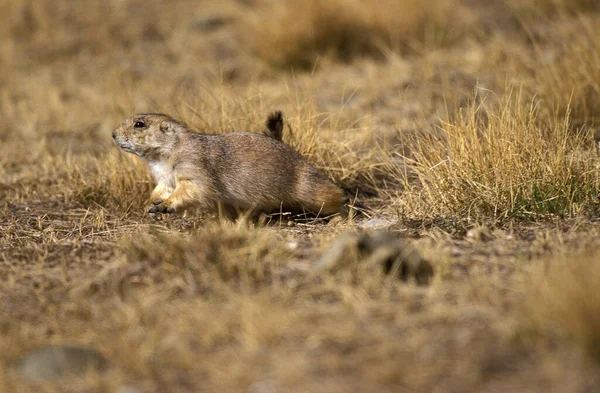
point(275, 125)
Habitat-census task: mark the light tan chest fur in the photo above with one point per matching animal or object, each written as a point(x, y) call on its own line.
point(163, 174)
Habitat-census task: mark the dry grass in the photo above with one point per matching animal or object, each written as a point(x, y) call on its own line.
point(295, 35)
point(563, 69)
point(562, 302)
point(528, 9)
point(505, 164)
point(408, 108)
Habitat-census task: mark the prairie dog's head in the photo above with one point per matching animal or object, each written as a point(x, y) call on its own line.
point(149, 135)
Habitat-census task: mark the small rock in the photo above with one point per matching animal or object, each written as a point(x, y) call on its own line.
point(340, 250)
point(397, 256)
point(128, 389)
point(55, 361)
point(393, 254)
point(292, 244)
point(265, 386)
point(480, 234)
point(210, 24)
point(378, 223)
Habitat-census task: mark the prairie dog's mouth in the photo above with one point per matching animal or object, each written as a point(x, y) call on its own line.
point(125, 145)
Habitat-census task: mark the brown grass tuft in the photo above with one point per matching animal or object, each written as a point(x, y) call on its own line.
point(563, 300)
point(531, 9)
point(112, 181)
point(563, 69)
point(296, 34)
point(497, 164)
point(223, 257)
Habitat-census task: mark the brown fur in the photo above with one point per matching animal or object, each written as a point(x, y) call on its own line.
point(237, 170)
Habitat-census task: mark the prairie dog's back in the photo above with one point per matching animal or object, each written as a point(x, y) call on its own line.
point(256, 170)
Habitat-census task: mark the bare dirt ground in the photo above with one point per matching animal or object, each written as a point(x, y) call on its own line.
point(469, 127)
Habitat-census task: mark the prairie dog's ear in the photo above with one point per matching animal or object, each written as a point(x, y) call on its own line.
point(166, 126)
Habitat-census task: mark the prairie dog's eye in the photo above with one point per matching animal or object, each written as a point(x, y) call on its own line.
point(139, 124)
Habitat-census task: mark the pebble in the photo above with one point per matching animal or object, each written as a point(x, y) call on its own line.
point(480, 234)
point(56, 361)
point(128, 389)
point(378, 223)
point(393, 254)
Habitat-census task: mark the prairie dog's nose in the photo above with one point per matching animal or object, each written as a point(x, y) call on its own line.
point(114, 134)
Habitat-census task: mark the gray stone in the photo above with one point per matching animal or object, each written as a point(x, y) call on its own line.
point(338, 253)
point(56, 361)
point(210, 24)
point(264, 386)
point(128, 389)
point(480, 234)
point(393, 254)
point(378, 223)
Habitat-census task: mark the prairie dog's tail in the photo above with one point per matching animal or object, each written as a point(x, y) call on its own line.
point(316, 193)
point(275, 125)
point(326, 199)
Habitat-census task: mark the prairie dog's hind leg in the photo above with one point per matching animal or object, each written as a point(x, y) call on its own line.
point(186, 194)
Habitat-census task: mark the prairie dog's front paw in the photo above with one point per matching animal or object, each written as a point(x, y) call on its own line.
point(160, 208)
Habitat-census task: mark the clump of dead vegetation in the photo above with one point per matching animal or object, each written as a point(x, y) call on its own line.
point(524, 152)
point(562, 301)
point(291, 34)
point(529, 10)
point(108, 181)
point(222, 257)
point(503, 163)
point(562, 67)
point(111, 181)
point(58, 32)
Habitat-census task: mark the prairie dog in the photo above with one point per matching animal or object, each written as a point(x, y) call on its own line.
point(237, 170)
